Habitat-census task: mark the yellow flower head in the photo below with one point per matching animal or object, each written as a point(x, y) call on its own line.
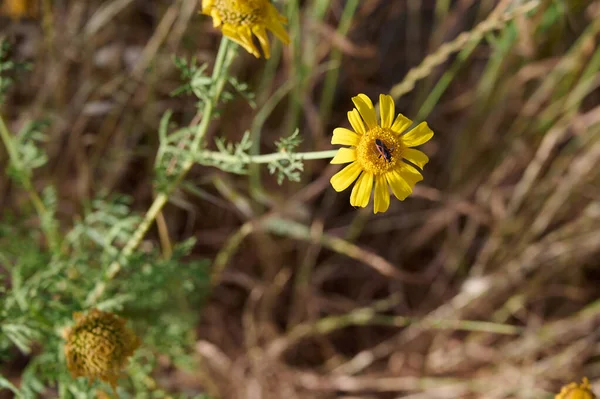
point(18, 8)
point(239, 19)
point(98, 346)
point(377, 152)
point(576, 391)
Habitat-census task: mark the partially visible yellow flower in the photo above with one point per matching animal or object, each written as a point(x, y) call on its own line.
point(377, 152)
point(18, 8)
point(239, 19)
point(577, 391)
point(99, 345)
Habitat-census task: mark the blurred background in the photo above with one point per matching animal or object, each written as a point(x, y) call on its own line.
point(485, 283)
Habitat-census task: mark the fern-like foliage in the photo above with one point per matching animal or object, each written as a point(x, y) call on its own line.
point(159, 296)
point(291, 166)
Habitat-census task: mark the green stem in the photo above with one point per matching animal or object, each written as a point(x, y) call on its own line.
point(369, 316)
point(208, 156)
point(24, 179)
point(442, 54)
point(297, 68)
point(336, 57)
point(8, 143)
point(262, 116)
point(256, 129)
point(219, 76)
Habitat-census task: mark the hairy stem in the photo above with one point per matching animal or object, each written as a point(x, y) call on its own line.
point(219, 77)
point(208, 156)
point(25, 180)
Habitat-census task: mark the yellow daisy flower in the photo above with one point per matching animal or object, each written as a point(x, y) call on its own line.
point(239, 19)
point(577, 391)
point(377, 152)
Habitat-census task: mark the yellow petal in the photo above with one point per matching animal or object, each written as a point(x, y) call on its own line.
point(356, 122)
point(399, 186)
point(261, 33)
point(207, 6)
point(361, 192)
point(386, 110)
point(382, 194)
point(417, 136)
point(344, 155)
point(365, 107)
point(411, 175)
point(401, 124)
point(345, 177)
point(274, 25)
point(216, 18)
point(238, 36)
point(366, 100)
point(245, 33)
point(344, 137)
point(415, 156)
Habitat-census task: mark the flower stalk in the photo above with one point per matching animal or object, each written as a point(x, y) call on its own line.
point(265, 158)
point(25, 181)
point(219, 76)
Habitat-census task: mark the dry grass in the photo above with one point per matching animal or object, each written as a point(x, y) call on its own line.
point(484, 284)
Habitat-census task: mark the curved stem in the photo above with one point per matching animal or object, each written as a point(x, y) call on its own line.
point(331, 80)
point(25, 180)
point(219, 76)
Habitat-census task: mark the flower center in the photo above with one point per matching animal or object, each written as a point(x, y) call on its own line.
point(379, 150)
point(241, 12)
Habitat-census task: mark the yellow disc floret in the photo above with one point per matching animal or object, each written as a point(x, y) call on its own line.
point(99, 345)
point(239, 12)
point(368, 156)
